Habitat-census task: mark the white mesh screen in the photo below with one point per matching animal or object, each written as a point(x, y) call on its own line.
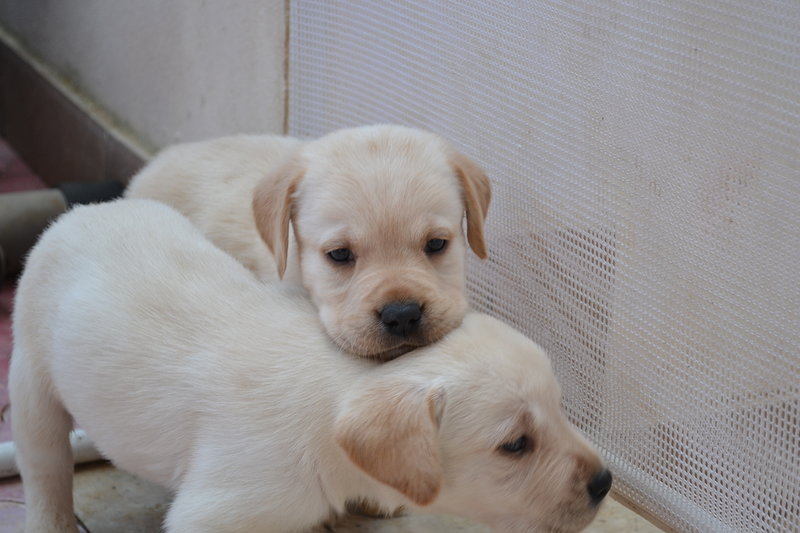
point(645, 229)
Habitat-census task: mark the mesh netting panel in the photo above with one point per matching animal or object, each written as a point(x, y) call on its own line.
point(645, 228)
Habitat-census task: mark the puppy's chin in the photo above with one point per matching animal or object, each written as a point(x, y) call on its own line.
point(378, 351)
point(524, 525)
point(569, 516)
point(392, 353)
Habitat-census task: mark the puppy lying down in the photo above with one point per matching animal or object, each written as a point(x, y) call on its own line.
point(372, 216)
point(187, 371)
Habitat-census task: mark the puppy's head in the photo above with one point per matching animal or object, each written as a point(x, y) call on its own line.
point(377, 213)
point(473, 426)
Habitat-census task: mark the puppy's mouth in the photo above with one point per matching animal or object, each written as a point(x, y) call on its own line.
point(391, 346)
point(392, 353)
point(376, 346)
point(382, 348)
point(372, 341)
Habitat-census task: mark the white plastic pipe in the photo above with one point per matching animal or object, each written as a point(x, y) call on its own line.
point(83, 451)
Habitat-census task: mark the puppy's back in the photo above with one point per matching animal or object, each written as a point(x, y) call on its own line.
point(135, 245)
point(187, 175)
point(211, 182)
point(129, 290)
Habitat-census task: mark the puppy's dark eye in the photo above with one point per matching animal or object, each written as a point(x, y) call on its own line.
point(435, 245)
point(341, 255)
point(516, 446)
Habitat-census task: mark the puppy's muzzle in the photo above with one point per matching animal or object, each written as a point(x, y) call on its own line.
point(599, 486)
point(401, 318)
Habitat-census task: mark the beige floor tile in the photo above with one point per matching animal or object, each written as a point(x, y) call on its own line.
point(108, 500)
point(616, 518)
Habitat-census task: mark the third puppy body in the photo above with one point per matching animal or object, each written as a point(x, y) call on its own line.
point(376, 214)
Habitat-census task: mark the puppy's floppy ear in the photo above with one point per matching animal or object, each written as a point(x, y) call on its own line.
point(477, 195)
point(390, 431)
point(272, 209)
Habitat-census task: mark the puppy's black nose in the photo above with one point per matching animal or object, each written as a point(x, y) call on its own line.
point(401, 318)
point(599, 486)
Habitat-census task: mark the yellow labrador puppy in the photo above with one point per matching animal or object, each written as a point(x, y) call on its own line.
point(377, 215)
point(188, 371)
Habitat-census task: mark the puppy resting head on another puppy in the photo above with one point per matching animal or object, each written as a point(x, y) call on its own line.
point(377, 213)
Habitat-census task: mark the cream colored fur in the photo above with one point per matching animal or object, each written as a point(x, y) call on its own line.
point(188, 371)
point(382, 192)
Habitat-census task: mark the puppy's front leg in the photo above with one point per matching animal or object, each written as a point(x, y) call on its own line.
point(214, 511)
point(221, 509)
point(41, 427)
point(195, 513)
